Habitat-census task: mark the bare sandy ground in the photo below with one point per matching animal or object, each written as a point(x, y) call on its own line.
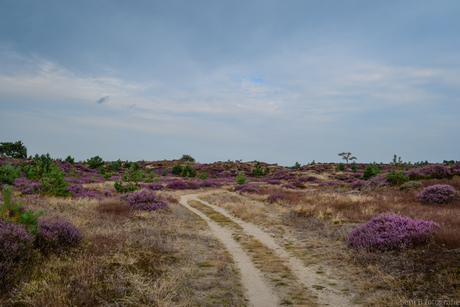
point(258, 290)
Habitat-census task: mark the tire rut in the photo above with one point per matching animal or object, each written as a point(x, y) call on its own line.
point(306, 275)
point(258, 292)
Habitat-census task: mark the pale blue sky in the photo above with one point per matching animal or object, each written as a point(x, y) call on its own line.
point(275, 81)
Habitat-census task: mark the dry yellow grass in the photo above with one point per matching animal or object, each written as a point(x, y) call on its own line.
point(134, 259)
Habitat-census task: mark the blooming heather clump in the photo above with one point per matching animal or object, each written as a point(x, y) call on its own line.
point(177, 185)
point(211, 183)
point(56, 236)
point(17, 254)
point(437, 194)
point(248, 188)
point(312, 179)
point(429, 172)
point(154, 186)
point(455, 169)
point(144, 200)
point(27, 186)
point(274, 182)
point(276, 197)
point(388, 232)
point(78, 191)
point(289, 186)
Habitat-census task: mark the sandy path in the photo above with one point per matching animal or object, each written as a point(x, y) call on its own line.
point(306, 275)
point(258, 292)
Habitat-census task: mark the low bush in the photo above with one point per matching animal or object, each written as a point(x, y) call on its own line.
point(274, 197)
point(56, 236)
point(241, 178)
point(95, 162)
point(436, 171)
point(388, 232)
point(17, 254)
point(437, 194)
point(15, 212)
point(8, 174)
point(154, 186)
point(395, 177)
point(248, 188)
point(78, 191)
point(411, 185)
point(177, 185)
point(144, 200)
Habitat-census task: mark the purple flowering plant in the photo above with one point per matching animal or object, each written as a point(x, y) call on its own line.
point(437, 194)
point(392, 232)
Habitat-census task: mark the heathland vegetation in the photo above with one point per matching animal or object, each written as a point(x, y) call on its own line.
point(114, 232)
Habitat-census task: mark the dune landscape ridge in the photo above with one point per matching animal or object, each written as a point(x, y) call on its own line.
point(182, 233)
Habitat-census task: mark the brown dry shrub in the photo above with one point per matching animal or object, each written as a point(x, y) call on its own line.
point(113, 207)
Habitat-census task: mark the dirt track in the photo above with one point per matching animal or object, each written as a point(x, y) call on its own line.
point(259, 290)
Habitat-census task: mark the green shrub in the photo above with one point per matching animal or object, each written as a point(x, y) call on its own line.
point(130, 180)
point(177, 169)
point(241, 178)
point(16, 213)
point(340, 167)
point(188, 171)
point(371, 170)
point(257, 172)
point(150, 177)
point(395, 177)
point(354, 167)
point(53, 182)
point(187, 158)
point(40, 165)
point(115, 166)
point(70, 159)
point(203, 176)
point(8, 173)
point(95, 162)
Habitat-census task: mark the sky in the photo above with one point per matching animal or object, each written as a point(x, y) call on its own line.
point(278, 81)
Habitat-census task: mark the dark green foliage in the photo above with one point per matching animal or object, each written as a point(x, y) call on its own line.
point(115, 166)
point(257, 172)
point(8, 173)
point(150, 177)
point(187, 158)
point(13, 150)
point(15, 212)
point(188, 171)
point(266, 170)
point(165, 173)
point(107, 176)
point(347, 156)
point(203, 176)
point(40, 165)
point(177, 169)
point(95, 162)
point(241, 178)
point(53, 182)
point(70, 159)
point(340, 167)
point(296, 165)
point(371, 170)
point(354, 167)
point(130, 180)
point(395, 177)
